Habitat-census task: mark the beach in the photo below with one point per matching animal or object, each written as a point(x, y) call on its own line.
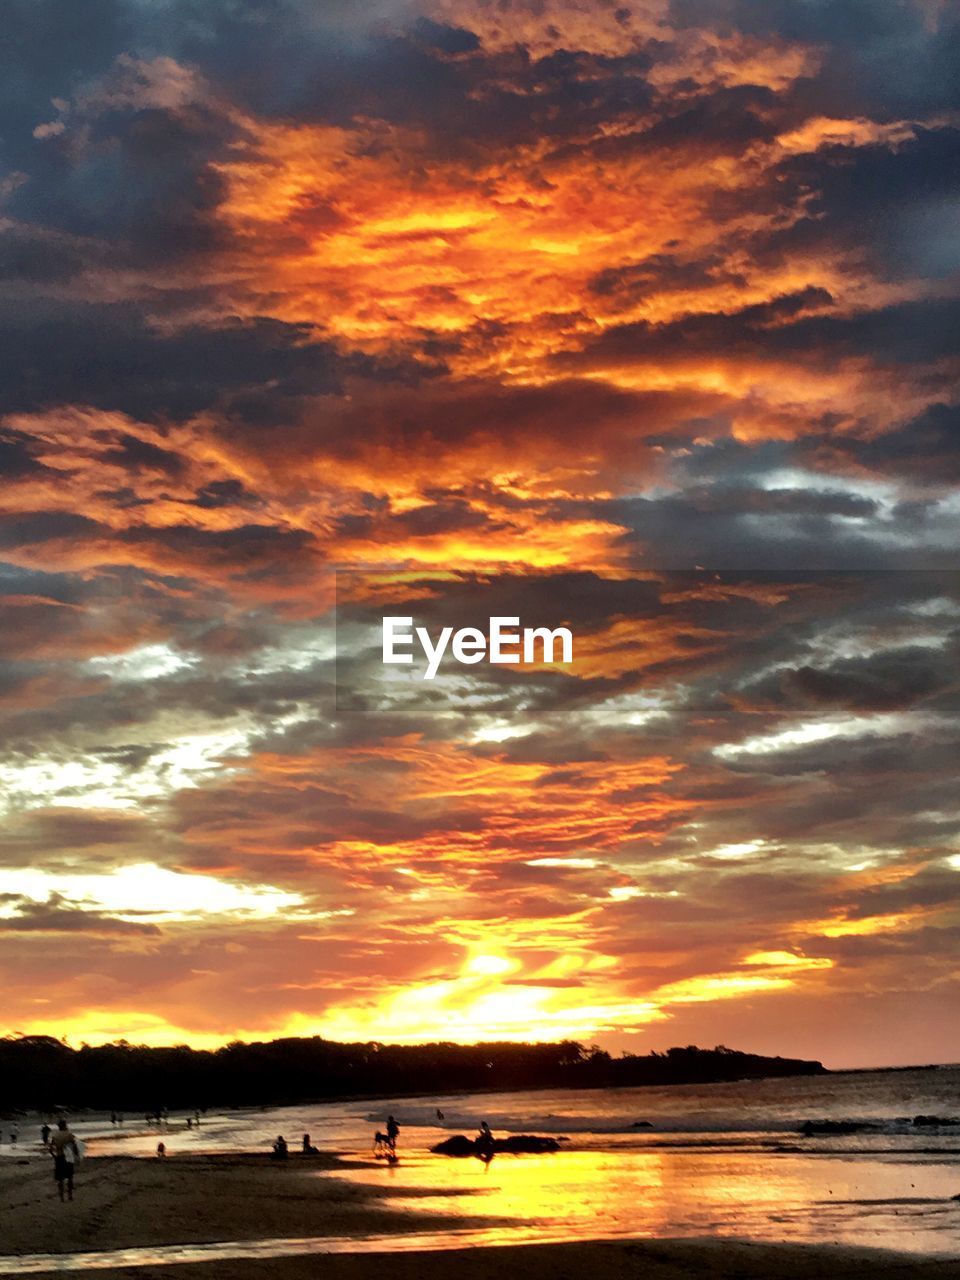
point(709, 1180)
point(125, 1203)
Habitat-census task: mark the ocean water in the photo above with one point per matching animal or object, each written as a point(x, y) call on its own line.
point(707, 1160)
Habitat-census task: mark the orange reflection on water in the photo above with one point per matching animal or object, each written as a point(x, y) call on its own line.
point(592, 1194)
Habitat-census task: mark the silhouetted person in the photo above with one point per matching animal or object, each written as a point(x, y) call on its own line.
point(309, 1150)
point(485, 1142)
point(65, 1152)
point(45, 1134)
point(14, 1135)
point(392, 1130)
point(279, 1149)
point(440, 1115)
point(161, 1150)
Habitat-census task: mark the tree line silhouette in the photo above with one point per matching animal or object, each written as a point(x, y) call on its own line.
point(42, 1072)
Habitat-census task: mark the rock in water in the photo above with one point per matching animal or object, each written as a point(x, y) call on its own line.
point(458, 1146)
point(516, 1144)
point(818, 1128)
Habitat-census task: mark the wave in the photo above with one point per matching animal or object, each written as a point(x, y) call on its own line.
point(455, 1121)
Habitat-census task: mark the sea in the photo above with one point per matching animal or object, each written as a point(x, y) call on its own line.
point(706, 1160)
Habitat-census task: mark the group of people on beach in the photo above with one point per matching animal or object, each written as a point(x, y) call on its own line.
point(281, 1151)
point(65, 1148)
point(384, 1143)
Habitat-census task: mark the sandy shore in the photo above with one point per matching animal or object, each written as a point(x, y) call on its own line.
point(640, 1260)
point(124, 1202)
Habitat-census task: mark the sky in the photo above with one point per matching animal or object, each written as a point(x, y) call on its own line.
point(639, 319)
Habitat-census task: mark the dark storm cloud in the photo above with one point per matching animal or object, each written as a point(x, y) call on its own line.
point(427, 520)
point(925, 450)
point(663, 273)
point(16, 457)
point(49, 47)
point(57, 915)
point(879, 59)
point(133, 453)
point(881, 682)
point(110, 356)
point(780, 502)
point(424, 74)
point(37, 259)
point(809, 532)
point(445, 38)
point(902, 333)
point(144, 184)
point(891, 208)
point(224, 493)
point(722, 120)
point(338, 65)
point(44, 526)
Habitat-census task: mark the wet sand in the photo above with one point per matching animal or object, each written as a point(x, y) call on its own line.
point(642, 1260)
point(124, 1202)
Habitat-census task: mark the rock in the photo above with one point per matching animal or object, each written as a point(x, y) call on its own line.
point(529, 1143)
point(819, 1128)
point(641, 1124)
point(457, 1146)
point(516, 1144)
point(934, 1121)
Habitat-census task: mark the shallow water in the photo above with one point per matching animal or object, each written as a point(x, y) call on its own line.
point(586, 1194)
point(760, 1115)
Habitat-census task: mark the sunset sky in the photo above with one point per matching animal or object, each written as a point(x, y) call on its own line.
point(635, 318)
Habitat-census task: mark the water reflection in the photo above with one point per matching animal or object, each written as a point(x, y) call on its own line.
point(589, 1194)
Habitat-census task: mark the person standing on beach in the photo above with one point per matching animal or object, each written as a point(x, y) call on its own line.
point(45, 1134)
point(65, 1152)
point(485, 1142)
point(392, 1130)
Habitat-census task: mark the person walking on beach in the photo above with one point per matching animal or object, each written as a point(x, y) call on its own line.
point(392, 1130)
point(45, 1135)
point(65, 1152)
